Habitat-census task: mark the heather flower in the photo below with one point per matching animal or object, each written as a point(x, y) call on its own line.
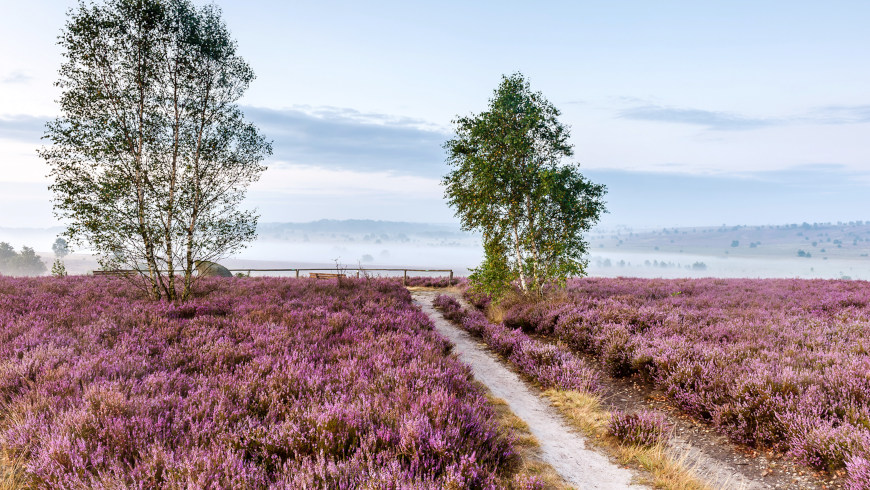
point(255, 383)
point(858, 469)
point(547, 364)
point(644, 428)
point(779, 363)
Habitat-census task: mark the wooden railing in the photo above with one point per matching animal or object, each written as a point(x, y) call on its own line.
point(342, 270)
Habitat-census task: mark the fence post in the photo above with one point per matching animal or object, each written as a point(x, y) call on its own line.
point(405, 278)
point(450, 281)
point(297, 273)
point(357, 273)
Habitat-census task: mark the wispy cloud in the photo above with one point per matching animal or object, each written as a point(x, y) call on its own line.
point(728, 121)
point(714, 120)
point(838, 114)
point(22, 127)
point(16, 77)
point(829, 176)
point(347, 139)
point(309, 180)
point(326, 137)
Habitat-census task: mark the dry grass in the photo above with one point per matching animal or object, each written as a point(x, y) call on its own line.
point(527, 447)
point(11, 473)
point(495, 313)
point(665, 471)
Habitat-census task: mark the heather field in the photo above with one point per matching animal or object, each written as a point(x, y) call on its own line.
point(771, 363)
point(257, 383)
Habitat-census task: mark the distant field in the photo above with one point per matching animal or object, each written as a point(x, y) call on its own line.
point(817, 250)
point(808, 241)
point(263, 383)
point(771, 363)
point(805, 250)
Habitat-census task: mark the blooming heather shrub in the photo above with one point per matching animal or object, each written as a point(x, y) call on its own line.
point(434, 281)
point(448, 305)
point(528, 482)
point(477, 298)
point(527, 317)
point(775, 362)
point(549, 365)
point(644, 428)
point(858, 469)
point(823, 445)
point(263, 383)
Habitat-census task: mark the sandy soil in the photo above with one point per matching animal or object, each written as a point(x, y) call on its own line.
point(561, 447)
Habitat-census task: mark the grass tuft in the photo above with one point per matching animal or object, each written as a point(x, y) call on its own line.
point(12, 474)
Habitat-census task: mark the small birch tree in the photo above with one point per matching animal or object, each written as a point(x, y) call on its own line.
point(151, 156)
point(509, 182)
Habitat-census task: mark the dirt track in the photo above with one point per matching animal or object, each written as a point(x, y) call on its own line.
point(561, 447)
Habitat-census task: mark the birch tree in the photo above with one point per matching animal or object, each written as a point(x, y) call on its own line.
point(151, 156)
point(510, 182)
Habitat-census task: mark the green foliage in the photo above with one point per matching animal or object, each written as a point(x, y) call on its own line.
point(60, 247)
point(58, 269)
point(24, 263)
point(151, 155)
point(494, 275)
point(509, 183)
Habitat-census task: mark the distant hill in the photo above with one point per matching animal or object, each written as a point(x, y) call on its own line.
point(820, 241)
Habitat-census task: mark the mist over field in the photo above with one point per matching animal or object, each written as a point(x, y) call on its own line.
point(797, 250)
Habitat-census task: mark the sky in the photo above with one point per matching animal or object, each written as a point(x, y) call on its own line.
point(692, 113)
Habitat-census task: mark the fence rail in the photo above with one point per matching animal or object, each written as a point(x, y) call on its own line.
point(124, 272)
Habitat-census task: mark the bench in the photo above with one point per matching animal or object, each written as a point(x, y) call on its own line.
point(321, 275)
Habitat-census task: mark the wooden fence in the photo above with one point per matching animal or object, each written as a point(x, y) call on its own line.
point(342, 270)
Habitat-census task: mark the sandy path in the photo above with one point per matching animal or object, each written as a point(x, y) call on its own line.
point(562, 448)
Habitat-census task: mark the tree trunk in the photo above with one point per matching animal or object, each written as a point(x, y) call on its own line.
point(197, 198)
point(536, 280)
point(153, 269)
point(170, 205)
point(520, 264)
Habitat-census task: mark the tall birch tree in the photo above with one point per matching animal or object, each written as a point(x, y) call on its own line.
point(510, 182)
point(151, 156)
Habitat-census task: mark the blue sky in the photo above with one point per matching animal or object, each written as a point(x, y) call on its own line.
point(692, 113)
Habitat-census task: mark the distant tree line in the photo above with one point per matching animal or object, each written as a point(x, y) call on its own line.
point(23, 263)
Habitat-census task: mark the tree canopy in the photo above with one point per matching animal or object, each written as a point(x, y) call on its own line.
point(151, 156)
point(60, 247)
point(24, 263)
point(509, 181)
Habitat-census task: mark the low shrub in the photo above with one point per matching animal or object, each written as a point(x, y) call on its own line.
point(434, 281)
point(858, 470)
point(644, 428)
point(773, 363)
point(263, 383)
point(550, 366)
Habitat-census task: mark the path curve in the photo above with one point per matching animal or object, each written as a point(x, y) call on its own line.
point(561, 447)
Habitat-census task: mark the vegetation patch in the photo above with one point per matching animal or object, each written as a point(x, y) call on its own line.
point(572, 388)
point(773, 363)
point(262, 383)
